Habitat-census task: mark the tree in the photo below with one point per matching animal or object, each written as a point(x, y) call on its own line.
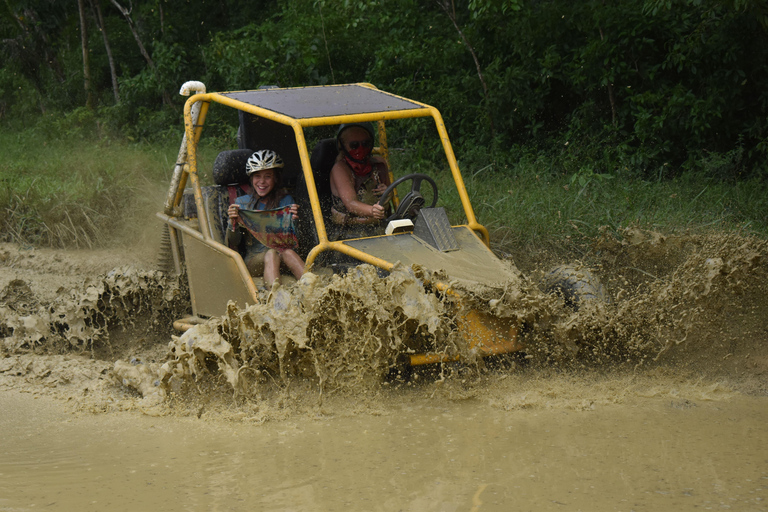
point(96, 7)
point(86, 59)
point(449, 8)
point(127, 14)
point(34, 40)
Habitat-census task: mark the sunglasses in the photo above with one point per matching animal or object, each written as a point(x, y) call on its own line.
point(356, 144)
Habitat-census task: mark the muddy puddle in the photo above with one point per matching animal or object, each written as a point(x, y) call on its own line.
point(643, 454)
point(655, 399)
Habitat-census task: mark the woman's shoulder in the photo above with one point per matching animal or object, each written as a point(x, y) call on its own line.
point(340, 165)
point(340, 173)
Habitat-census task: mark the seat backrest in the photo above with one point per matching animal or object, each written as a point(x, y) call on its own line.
point(261, 133)
point(322, 159)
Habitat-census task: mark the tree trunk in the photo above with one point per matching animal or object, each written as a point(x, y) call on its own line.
point(451, 13)
point(100, 20)
point(86, 59)
point(127, 14)
point(33, 41)
point(611, 96)
point(325, 40)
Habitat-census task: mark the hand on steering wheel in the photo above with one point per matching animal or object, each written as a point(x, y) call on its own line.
point(413, 200)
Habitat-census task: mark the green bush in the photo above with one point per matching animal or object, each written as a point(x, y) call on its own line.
point(655, 88)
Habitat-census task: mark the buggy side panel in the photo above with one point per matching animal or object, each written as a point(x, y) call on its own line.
point(215, 276)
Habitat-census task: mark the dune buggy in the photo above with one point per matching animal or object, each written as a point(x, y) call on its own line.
point(278, 119)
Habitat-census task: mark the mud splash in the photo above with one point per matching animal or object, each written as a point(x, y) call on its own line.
point(345, 333)
point(676, 296)
point(669, 295)
point(694, 303)
point(83, 319)
point(339, 332)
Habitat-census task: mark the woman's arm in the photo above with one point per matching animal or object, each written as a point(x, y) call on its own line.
point(383, 170)
point(233, 237)
point(343, 186)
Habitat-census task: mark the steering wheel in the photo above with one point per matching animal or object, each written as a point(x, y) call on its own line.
point(413, 200)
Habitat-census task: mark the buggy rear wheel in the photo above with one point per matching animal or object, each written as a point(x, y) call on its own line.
point(575, 283)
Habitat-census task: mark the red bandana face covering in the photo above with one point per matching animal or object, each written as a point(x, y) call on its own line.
point(360, 166)
point(360, 153)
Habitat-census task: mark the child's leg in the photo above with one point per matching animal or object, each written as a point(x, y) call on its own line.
point(294, 262)
point(255, 264)
point(271, 267)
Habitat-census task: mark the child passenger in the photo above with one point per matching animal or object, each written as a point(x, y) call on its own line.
point(263, 170)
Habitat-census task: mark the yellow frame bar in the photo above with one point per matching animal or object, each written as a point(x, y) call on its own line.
point(193, 136)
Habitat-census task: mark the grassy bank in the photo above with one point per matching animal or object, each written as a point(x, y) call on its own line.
point(526, 204)
point(77, 192)
point(530, 206)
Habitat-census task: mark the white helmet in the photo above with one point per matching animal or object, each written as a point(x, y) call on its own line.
point(263, 159)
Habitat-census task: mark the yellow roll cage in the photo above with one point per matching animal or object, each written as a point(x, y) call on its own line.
point(194, 129)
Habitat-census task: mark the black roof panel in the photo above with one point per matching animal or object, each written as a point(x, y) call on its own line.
point(337, 100)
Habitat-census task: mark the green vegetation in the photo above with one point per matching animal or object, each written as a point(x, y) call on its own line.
point(654, 86)
point(83, 192)
point(70, 192)
point(530, 202)
point(74, 191)
point(533, 206)
point(566, 116)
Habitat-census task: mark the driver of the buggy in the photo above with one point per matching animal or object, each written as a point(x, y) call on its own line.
point(358, 179)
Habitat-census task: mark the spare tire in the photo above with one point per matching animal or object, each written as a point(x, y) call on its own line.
point(575, 283)
point(229, 167)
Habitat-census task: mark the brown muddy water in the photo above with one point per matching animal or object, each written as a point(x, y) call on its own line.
point(657, 400)
point(643, 454)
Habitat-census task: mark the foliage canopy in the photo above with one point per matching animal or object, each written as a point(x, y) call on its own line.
point(648, 89)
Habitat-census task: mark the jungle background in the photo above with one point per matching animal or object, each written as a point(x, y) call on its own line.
point(566, 116)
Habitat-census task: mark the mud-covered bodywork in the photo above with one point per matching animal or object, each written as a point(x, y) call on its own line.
point(273, 118)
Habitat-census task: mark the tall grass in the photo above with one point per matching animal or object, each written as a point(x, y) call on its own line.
point(76, 191)
point(528, 203)
point(70, 191)
point(81, 191)
point(532, 205)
